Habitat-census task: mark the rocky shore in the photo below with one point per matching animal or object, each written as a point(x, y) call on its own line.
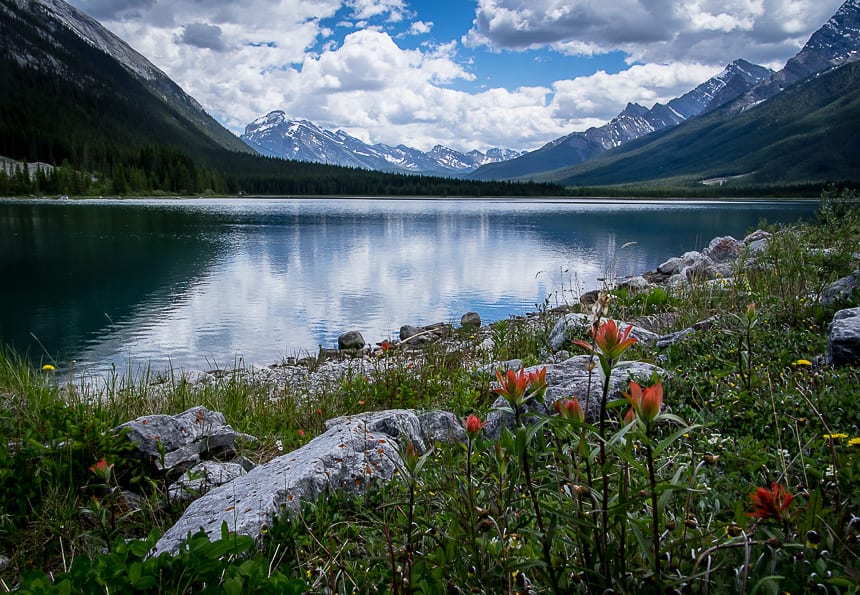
point(199, 450)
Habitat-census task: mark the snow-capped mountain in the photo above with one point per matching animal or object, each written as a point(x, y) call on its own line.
point(59, 13)
point(275, 135)
point(836, 43)
point(634, 121)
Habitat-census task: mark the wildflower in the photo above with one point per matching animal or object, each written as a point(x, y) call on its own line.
point(629, 417)
point(279, 444)
point(101, 467)
point(611, 342)
point(839, 436)
point(301, 433)
point(318, 412)
point(854, 441)
point(570, 409)
point(646, 404)
point(751, 313)
point(513, 386)
point(772, 503)
point(537, 382)
point(48, 368)
point(802, 362)
point(473, 426)
point(385, 346)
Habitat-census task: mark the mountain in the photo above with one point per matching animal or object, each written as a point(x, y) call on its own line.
point(275, 135)
point(633, 122)
point(809, 133)
point(836, 43)
point(93, 33)
point(73, 90)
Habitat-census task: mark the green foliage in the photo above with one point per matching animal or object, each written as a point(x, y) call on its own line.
point(560, 505)
point(227, 565)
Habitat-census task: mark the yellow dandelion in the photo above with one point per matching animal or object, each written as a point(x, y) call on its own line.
point(48, 368)
point(854, 441)
point(802, 362)
point(839, 436)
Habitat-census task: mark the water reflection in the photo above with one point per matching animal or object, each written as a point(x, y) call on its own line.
point(199, 283)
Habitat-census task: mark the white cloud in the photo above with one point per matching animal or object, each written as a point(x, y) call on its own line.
point(603, 95)
point(242, 60)
point(708, 31)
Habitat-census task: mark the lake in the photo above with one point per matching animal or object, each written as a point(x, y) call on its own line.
point(205, 283)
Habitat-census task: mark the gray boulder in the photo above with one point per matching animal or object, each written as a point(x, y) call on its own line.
point(843, 341)
point(841, 289)
point(636, 284)
point(671, 266)
point(575, 326)
point(572, 379)
point(470, 320)
point(420, 335)
point(174, 443)
point(723, 249)
point(201, 478)
point(350, 340)
point(672, 338)
point(352, 453)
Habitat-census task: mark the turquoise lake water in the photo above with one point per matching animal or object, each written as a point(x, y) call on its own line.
point(204, 283)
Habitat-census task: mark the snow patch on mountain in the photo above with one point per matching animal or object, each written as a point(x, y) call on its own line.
point(275, 135)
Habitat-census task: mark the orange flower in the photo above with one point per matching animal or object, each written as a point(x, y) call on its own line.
point(301, 433)
point(385, 346)
point(570, 409)
point(513, 386)
point(101, 467)
point(611, 342)
point(771, 504)
point(537, 382)
point(473, 425)
point(646, 404)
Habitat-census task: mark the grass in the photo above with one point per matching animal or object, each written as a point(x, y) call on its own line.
point(659, 505)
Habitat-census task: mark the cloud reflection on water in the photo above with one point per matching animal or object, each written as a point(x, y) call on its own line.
point(273, 278)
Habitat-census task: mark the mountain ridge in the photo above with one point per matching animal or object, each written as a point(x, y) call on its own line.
point(275, 135)
point(633, 122)
point(95, 34)
point(806, 134)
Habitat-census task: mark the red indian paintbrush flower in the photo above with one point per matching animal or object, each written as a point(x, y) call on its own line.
point(473, 425)
point(772, 503)
point(570, 409)
point(646, 403)
point(537, 382)
point(513, 386)
point(611, 342)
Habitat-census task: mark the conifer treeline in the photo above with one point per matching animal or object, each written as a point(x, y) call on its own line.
point(164, 170)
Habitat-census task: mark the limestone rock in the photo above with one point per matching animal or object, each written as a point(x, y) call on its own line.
point(350, 340)
point(353, 452)
point(174, 443)
point(420, 335)
point(568, 327)
point(673, 338)
point(843, 341)
point(635, 285)
point(201, 478)
point(841, 289)
point(671, 266)
point(470, 320)
point(723, 249)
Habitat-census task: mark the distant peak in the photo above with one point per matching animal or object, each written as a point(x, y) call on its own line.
point(634, 109)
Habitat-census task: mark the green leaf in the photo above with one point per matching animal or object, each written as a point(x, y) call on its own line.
point(232, 586)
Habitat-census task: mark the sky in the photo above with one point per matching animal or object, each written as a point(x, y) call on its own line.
point(467, 74)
